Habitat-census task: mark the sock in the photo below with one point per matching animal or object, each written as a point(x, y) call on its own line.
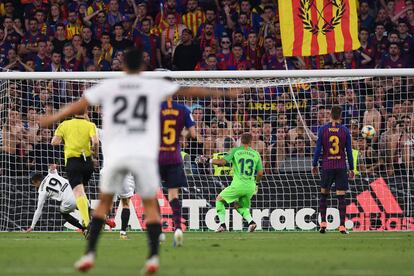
point(245, 213)
point(73, 221)
point(154, 231)
point(176, 208)
point(83, 206)
point(221, 211)
point(94, 231)
point(125, 218)
point(322, 206)
point(342, 209)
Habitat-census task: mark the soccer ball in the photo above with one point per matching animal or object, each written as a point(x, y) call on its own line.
point(368, 132)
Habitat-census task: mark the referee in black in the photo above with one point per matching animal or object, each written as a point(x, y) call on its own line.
point(80, 143)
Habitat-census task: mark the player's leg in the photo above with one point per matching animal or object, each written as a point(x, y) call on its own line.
point(74, 170)
point(66, 207)
point(125, 214)
point(110, 181)
point(127, 191)
point(228, 195)
point(96, 225)
point(147, 184)
point(243, 208)
point(341, 183)
point(326, 182)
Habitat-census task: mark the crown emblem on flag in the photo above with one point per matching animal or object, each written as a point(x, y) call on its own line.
point(309, 7)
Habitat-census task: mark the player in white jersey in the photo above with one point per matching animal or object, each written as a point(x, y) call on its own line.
point(131, 121)
point(125, 194)
point(55, 187)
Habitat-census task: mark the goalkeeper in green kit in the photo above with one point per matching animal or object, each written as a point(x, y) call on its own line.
point(248, 170)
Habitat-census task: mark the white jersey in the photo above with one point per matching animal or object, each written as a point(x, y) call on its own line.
point(131, 114)
point(54, 187)
point(128, 185)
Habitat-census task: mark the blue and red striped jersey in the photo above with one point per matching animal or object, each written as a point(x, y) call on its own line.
point(174, 117)
point(334, 141)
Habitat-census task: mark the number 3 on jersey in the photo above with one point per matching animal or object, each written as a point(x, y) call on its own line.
point(334, 149)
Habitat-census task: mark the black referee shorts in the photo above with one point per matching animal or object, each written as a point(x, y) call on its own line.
point(79, 171)
point(337, 176)
point(173, 176)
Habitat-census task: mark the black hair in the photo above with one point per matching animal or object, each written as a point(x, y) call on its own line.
point(133, 59)
point(36, 177)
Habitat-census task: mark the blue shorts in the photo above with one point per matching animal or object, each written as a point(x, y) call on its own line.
point(339, 176)
point(173, 176)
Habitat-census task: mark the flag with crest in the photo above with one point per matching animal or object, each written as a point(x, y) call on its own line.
point(318, 27)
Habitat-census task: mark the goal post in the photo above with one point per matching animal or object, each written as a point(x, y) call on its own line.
point(282, 109)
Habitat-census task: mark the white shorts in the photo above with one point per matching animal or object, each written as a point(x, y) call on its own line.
point(128, 185)
point(144, 172)
point(68, 205)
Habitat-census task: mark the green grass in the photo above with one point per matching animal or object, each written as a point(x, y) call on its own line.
point(234, 253)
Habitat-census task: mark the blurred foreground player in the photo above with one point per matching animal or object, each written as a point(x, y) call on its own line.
point(334, 140)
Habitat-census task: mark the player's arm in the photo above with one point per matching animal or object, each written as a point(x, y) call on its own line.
point(40, 202)
point(71, 109)
point(317, 153)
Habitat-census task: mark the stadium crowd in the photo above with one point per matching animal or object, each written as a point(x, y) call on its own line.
point(210, 35)
point(91, 35)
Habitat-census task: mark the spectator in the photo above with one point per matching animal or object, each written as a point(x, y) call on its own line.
point(239, 62)
point(268, 27)
point(54, 17)
point(119, 43)
point(388, 142)
point(202, 65)
point(161, 19)
point(55, 64)
point(243, 25)
point(150, 43)
point(273, 58)
point(100, 26)
point(367, 50)
point(365, 19)
point(4, 48)
point(379, 39)
point(12, 144)
point(60, 38)
point(170, 38)
point(70, 61)
point(88, 42)
point(96, 6)
point(253, 52)
point(97, 58)
point(31, 38)
point(225, 56)
point(12, 34)
point(393, 59)
point(194, 16)
point(277, 151)
point(41, 61)
point(73, 26)
point(31, 127)
point(114, 15)
point(207, 37)
point(371, 116)
point(211, 18)
point(187, 53)
point(107, 49)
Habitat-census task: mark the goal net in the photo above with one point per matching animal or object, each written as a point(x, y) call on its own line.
point(282, 110)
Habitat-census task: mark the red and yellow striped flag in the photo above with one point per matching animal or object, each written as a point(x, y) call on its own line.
point(318, 27)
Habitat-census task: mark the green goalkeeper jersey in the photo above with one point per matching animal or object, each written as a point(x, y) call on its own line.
point(246, 163)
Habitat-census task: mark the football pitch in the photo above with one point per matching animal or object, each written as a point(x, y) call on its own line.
point(231, 253)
